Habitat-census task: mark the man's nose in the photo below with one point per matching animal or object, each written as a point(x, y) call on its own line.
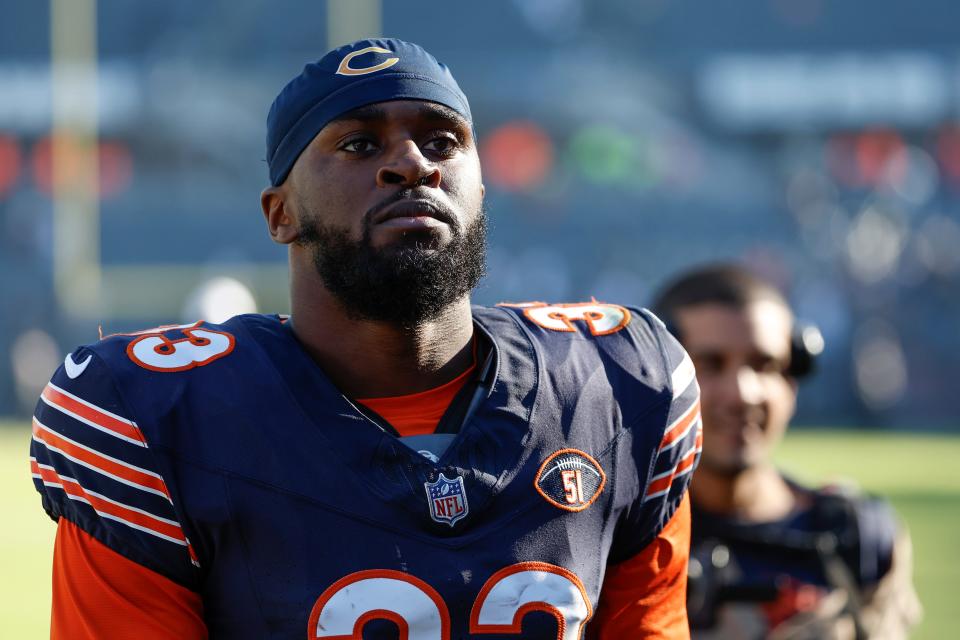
point(408, 167)
point(747, 387)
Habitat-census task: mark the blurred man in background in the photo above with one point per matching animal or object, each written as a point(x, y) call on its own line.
point(771, 558)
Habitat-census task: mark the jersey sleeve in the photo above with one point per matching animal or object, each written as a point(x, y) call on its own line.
point(677, 425)
point(645, 596)
point(93, 467)
point(99, 594)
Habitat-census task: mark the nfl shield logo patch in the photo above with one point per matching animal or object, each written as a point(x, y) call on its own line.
point(448, 499)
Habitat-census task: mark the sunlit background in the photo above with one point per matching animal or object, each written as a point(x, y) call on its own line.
point(621, 140)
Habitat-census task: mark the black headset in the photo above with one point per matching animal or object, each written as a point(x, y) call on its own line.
point(806, 345)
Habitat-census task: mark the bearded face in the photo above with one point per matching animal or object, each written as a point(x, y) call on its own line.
point(408, 282)
point(387, 203)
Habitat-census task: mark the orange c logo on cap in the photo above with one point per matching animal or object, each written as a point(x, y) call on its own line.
point(346, 70)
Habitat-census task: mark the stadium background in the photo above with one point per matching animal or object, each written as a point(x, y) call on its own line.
point(819, 142)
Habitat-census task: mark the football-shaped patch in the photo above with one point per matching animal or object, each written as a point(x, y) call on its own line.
point(570, 479)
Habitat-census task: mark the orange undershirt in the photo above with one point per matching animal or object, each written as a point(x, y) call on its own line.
point(418, 414)
point(646, 596)
point(99, 594)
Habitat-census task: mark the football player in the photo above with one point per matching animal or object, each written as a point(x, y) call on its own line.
point(388, 461)
point(772, 558)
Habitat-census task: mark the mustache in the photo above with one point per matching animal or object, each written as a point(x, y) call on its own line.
point(440, 211)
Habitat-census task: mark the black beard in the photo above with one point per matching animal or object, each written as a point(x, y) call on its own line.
point(406, 285)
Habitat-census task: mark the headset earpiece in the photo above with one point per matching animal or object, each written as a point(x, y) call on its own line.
point(806, 344)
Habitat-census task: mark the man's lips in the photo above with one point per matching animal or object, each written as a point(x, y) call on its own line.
point(406, 223)
point(412, 214)
point(737, 433)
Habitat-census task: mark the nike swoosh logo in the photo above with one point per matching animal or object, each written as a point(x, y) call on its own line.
point(74, 369)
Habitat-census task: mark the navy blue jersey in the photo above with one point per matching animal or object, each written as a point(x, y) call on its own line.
point(222, 457)
point(768, 573)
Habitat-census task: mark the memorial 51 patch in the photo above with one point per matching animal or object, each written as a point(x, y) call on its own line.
point(570, 479)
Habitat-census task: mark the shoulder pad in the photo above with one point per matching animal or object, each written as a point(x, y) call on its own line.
point(92, 464)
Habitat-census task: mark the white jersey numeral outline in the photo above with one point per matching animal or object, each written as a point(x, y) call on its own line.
point(602, 319)
point(419, 612)
point(200, 346)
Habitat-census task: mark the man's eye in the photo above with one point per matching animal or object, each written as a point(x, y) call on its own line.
point(708, 363)
point(358, 145)
point(442, 145)
point(769, 365)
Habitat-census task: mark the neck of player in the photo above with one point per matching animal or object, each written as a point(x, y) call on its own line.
point(758, 493)
point(372, 359)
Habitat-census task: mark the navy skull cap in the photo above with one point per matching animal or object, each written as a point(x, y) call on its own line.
point(352, 76)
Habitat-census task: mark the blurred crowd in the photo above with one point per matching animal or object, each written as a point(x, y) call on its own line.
point(817, 143)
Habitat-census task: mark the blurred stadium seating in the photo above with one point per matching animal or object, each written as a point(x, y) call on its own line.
point(622, 140)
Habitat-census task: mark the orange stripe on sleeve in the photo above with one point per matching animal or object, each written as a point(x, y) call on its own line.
point(99, 594)
point(92, 414)
point(661, 484)
point(679, 428)
point(137, 518)
point(98, 462)
point(645, 596)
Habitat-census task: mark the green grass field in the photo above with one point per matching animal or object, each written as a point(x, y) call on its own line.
point(920, 474)
point(25, 542)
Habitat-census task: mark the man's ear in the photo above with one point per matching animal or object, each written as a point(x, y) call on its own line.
point(276, 210)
